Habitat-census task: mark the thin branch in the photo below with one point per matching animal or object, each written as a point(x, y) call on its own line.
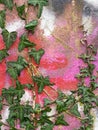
point(48, 94)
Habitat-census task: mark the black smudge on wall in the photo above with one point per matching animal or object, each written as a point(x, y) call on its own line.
point(89, 10)
point(59, 5)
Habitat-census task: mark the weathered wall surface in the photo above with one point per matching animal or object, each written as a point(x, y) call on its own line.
point(59, 35)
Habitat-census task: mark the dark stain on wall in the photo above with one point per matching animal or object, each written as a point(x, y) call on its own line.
point(59, 5)
point(89, 10)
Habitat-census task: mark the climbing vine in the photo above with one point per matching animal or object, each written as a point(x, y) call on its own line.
point(36, 116)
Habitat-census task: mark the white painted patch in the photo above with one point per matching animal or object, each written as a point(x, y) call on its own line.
point(95, 114)
point(87, 22)
point(47, 21)
point(27, 97)
point(96, 124)
point(92, 2)
point(15, 25)
point(5, 114)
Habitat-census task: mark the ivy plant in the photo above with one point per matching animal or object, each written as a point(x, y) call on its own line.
point(32, 117)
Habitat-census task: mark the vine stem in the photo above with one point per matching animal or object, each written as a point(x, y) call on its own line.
point(33, 71)
point(67, 112)
point(26, 12)
point(61, 41)
point(48, 94)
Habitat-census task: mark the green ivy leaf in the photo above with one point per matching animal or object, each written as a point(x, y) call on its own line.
point(93, 49)
point(37, 108)
point(46, 101)
point(9, 38)
point(2, 18)
point(30, 127)
point(84, 90)
point(13, 128)
point(1, 106)
point(7, 3)
point(84, 72)
point(90, 99)
point(12, 72)
point(24, 43)
point(40, 4)
point(74, 110)
point(41, 82)
point(85, 57)
point(88, 128)
point(19, 109)
point(47, 127)
point(36, 54)
point(21, 60)
point(1, 99)
point(44, 119)
point(47, 109)
point(1, 124)
point(21, 112)
point(60, 121)
point(94, 85)
point(14, 68)
point(11, 122)
point(70, 101)
point(88, 120)
point(61, 95)
point(31, 25)
point(19, 90)
point(3, 54)
point(21, 11)
point(61, 106)
point(0, 117)
point(91, 67)
point(93, 78)
point(29, 86)
point(1, 1)
point(19, 85)
point(10, 93)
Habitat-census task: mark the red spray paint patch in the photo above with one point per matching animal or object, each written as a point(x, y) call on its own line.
point(59, 63)
point(51, 92)
point(2, 81)
point(15, 44)
point(65, 84)
point(35, 40)
point(2, 67)
point(2, 45)
point(2, 75)
point(25, 77)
